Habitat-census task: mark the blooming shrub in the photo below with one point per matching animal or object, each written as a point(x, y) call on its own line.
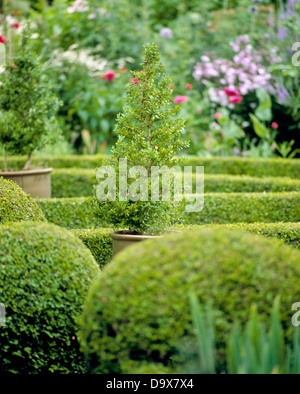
point(244, 74)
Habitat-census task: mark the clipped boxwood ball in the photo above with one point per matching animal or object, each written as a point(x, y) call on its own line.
point(138, 310)
point(45, 273)
point(16, 205)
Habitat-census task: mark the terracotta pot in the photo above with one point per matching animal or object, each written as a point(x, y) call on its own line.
point(123, 239)
point(37, 183)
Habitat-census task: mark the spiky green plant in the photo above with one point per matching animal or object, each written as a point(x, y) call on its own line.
point(250, 350)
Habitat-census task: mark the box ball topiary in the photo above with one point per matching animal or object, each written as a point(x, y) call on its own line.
point(138, 309)
point(16, 205)
point(45, 273)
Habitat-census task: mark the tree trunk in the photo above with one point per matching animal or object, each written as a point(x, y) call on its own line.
point(27, 165)
point(5, 160)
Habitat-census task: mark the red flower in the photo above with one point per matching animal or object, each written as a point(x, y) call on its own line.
point(180, 99)
point(109, 76)
point(172, 86)
point(188, 86)
point(235, 99)
point(123, 70)
point(274, 125)
point(16, 25)
point(3, 40)
point(231, 92)
point(134, 80)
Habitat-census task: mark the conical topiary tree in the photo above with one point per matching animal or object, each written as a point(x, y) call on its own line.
point(27, 104)
point(150, 135)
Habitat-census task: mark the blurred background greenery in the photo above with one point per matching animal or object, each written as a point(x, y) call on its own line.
point(88, 48)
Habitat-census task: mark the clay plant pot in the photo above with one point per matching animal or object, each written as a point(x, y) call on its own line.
point(37, 183)
point(123, 239)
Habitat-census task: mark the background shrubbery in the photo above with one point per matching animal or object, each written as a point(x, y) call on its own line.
point(88, 51)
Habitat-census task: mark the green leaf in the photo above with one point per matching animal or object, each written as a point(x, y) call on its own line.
point(260, 129)
point(264, 110)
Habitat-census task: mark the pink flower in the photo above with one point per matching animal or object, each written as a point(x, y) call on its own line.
point(134, 80)
point(231, 92)
point(109, 76)
point(92, 16)
point(2, 40)
point(16, 25)
point(188, 86)
point(273, 147)
point(180, 99)
point(235, 99)
point(218, 115)
point(274, 125)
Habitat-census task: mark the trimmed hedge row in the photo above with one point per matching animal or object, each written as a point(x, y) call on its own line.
point(287, 232)
point(222, 208)
point(100, 243)
point(219, 208)
point(216, 165)
point(80, 183)
point(70, 213)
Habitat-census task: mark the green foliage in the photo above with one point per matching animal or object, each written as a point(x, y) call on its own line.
point(219, 208)
point(247, 207)
point(70, 213)
point(45, 273)
point(79, 183)
point(27, 105)
point(258, 167)
point(89, 102)
point(99, 242)
point(149, 285)
point(250, 350)
point(287, 232)
point(217, 165)
point(16, 206)
point(150, 135)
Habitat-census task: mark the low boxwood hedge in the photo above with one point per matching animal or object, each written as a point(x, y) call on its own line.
point(80, 183)
point(15, 205)
point(219, 208)
point(70, 213)
point(217, 165)
point(138, 309)
point(45, 272)
point(225, 208)
point(287, 232)
point(100, 243)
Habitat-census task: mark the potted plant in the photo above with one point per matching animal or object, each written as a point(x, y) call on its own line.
point(150, 134)
point(27, 116)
